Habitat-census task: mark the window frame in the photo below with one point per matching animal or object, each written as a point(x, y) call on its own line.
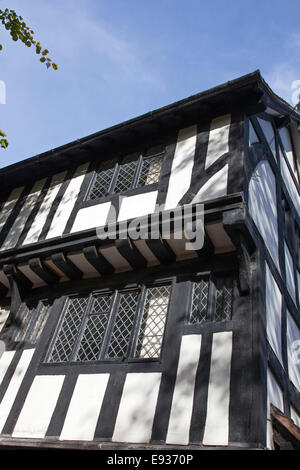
point(106, 341)
point(134, 186)
point(211, 313)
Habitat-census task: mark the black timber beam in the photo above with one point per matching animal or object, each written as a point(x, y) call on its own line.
point(97, 260)
point(43, 271)
point(130, 252)
point(66, 266)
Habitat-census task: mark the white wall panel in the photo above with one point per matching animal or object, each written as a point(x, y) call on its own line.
point(287, 144)
point(273, 313)
point(90, 217)
point(218, 142)
point(30, 201)
point(215, 187)
point(268, 131)
point(9, 205)
point(41, 217)
point(183, 397)
point(217, 418)
point(263, 206)
point(39, 405)
point(137, 408)
point(5, 361)
point(137, 206)
point(66, 205)
point(84, 408)
point(289, 183)
point(182, 166)
point(14, 385)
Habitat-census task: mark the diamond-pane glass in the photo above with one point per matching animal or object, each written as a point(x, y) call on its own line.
point(153, 321)
point(119, 341)
point(150, 171)
point(95, 327)
point(199, 310)
point(223, 303)
point(101, 182)
point(125, 177)
point(66, 337)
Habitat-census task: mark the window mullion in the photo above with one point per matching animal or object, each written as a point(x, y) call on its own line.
point(81, 329)
point(136, 323)
point(137, 171)
point(110, 324)
point(212, 293)
point(63, 310)
point(114, 178)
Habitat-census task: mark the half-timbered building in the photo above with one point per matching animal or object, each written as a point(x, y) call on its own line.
point(123, 340)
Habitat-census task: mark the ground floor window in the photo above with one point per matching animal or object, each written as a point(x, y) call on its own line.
point(117, 325)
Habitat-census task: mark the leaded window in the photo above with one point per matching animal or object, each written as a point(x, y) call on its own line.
point(137, 171)
point(211, 300)
point(119, 325)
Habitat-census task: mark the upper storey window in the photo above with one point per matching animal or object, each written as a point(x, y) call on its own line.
point(134, 172)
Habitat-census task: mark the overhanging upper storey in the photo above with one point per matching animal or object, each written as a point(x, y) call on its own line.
point(190, 152)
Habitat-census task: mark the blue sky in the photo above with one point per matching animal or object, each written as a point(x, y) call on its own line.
point(121, 58)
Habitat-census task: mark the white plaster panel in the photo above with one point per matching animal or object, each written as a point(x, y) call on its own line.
point(218, 141)
point(84, 408)
point(289, 271)
point(273, 313)
point(253, 138)
point(182, 166)
point(5, 361)
point(217, 418)
point(14, 385)
point(137, 206)
point(9, 205)
point(289, 183)
point(215, 187)
point(287, 145)
point(183, 397)
point(39, 406)
point(263, 206)
point(90, 217)
point(137, 408)
point(15, 231)
point(293, 349)
point(66, 205)
point(41, 217)
point(268, 131)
